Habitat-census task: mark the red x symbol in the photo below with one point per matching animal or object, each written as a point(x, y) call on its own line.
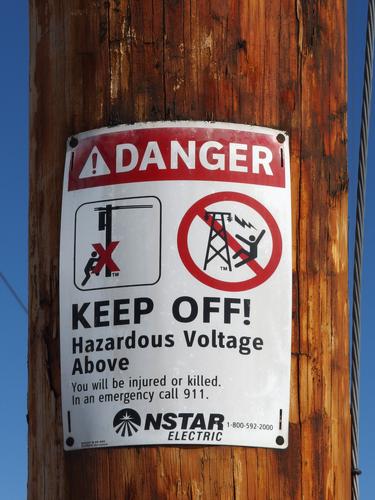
point(105, 257)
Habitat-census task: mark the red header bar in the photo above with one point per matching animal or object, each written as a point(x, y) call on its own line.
point(177, 153)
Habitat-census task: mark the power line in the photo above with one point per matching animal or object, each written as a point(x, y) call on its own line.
point(13, 292)
point(358, 254)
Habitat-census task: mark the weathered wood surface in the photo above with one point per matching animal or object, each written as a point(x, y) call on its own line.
point(278, 63)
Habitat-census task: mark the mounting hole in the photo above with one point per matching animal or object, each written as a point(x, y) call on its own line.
point(73, 142)
point(280, 138)
point(280, 440)
point(69, 441)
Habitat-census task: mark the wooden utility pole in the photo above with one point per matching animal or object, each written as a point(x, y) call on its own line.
point(276, 63)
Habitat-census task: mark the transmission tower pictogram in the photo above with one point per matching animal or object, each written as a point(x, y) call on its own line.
point(217, 245)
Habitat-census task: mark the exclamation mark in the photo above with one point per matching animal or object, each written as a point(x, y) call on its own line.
point(94, 160)
point(71, 161)
point(69, 423)
point(246, 311)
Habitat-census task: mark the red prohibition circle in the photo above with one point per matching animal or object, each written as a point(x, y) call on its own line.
point(197, 210)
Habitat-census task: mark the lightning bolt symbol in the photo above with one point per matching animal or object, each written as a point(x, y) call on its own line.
point(243, 223)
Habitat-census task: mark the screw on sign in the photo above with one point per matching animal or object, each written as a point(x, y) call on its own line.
point(248, 254)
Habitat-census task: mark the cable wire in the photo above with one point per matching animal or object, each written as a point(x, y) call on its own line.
point(13, 292)
point(358, 251)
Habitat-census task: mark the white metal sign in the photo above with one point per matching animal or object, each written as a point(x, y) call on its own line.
point(175, 286)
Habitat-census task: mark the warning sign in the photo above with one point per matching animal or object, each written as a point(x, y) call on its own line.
point(236, 256)
point(94, 165)
point(117, 243)
point(175, 286)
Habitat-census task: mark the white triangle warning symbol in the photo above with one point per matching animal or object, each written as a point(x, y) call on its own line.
point(95, 165)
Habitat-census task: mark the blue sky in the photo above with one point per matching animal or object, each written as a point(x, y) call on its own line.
point(357, 16)
point(13, 252)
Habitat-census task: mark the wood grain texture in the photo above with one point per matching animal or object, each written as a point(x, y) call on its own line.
point(277, 63)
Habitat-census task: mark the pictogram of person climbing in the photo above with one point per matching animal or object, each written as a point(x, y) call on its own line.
point(252, 252)
point(89, 267)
